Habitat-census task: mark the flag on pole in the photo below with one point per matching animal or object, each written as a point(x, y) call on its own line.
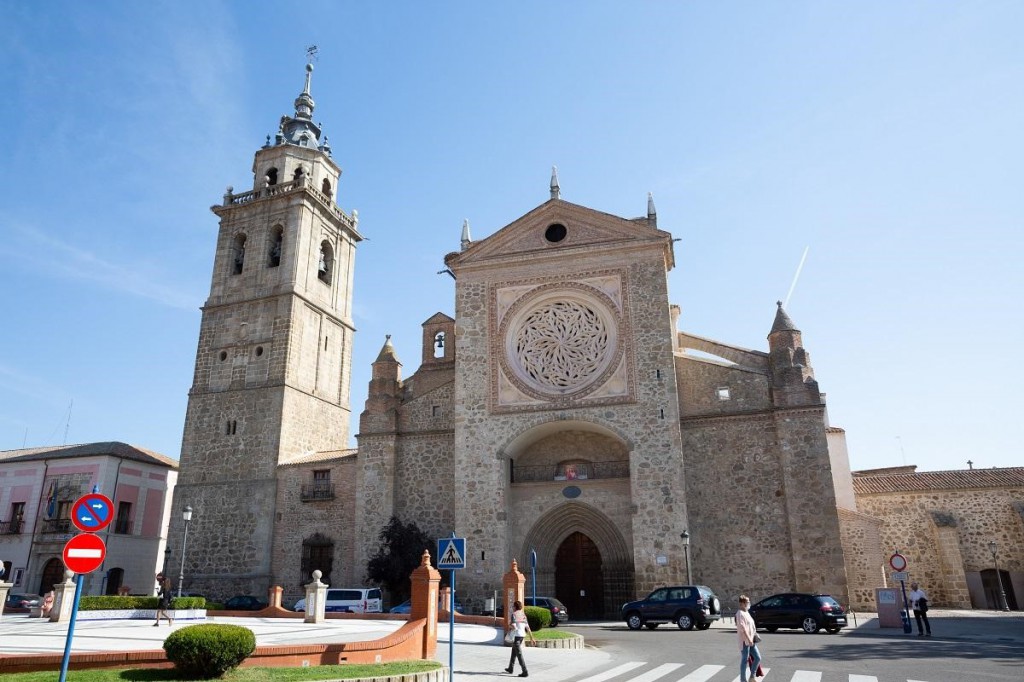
point(51, 501)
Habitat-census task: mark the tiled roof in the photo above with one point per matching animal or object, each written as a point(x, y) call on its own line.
point(111, 449)
point(1006, 477)
point(325, 456)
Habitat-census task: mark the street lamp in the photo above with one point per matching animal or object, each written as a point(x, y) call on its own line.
point(992, 547)
point(685, 535)
point(187, 515)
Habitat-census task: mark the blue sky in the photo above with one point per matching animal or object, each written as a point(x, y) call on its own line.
point(883, 137)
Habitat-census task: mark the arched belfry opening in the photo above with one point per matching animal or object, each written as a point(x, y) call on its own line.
point(582, 559)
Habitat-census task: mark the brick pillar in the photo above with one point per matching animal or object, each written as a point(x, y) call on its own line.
point(951, 562)
point(274, 596)
point(423, 604)
point(513, 586)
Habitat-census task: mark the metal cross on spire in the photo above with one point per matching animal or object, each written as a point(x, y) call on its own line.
point(312, 53)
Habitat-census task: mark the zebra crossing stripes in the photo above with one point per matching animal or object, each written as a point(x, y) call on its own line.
point(703, 673)
point(863, 678)
point(765, 670)
point(655, 673)
point(614, 672)
point(806, 676)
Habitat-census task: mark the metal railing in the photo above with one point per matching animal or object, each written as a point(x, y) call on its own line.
point(57, 526)
point(11, 527)
point(580, 471)
point(317, 491)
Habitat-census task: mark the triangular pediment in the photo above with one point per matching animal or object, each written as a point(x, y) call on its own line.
point(435, 318)
point(584, 227)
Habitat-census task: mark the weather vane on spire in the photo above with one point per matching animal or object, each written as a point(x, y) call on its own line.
point(311, 53)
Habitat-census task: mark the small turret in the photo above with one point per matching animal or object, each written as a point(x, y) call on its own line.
point(385, 392)
point(556, 192)
point(652, 214)
point(466, 239)
point(793, 380)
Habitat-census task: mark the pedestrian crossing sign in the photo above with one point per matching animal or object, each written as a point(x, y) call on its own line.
point(451, 553)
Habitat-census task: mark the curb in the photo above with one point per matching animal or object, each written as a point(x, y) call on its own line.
point(574, 642)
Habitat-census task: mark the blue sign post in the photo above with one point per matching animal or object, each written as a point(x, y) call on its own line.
point(451, 554)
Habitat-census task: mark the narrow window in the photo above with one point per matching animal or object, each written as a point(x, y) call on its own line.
point(276, 241)
point(435, 410)
point(238, 254)
point(722, 393)
point(123, 522)
point(439, 345)
point(326, 188)
point(326, 263)
point(297, 174)
point(326, 339)
point(17, 518)
point(271, 177)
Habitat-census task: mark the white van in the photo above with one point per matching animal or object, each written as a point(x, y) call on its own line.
point(351, 600)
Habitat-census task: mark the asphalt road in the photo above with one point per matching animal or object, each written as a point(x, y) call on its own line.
point(670, 655)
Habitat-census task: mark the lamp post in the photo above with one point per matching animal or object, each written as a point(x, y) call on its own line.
point(187, 515)
point(992, 547)
point(533, 573)
point(685, 535)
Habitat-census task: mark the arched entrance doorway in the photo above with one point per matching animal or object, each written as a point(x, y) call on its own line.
point(53, 573)
point(115, 577)
point(578, 578)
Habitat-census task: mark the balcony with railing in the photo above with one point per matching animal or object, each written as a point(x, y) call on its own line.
point(577, 471)
point(317, 491)
point(57, 526)
point(297, 185)
point(11, 527)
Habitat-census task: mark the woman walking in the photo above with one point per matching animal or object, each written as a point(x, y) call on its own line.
point(746, 633)
point(520, 626)
point(165, 599)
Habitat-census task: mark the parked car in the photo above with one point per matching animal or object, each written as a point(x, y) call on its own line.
point(685, 605)
point(353, 600)
point(809, 612)
point(559, 614)
point(244, 602)
point(22, 601)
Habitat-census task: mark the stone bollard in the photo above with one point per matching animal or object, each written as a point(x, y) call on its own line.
point(316, 599)
point(514, 590)
point(4, 589)
point(63, 599)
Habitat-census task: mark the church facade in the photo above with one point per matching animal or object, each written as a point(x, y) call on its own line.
point(558, 409)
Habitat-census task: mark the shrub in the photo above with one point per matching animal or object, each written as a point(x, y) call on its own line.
point(209, 650)
point(538, 617)
point(108, 602)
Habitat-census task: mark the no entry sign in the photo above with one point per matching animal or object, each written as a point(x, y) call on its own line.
point(84, 553)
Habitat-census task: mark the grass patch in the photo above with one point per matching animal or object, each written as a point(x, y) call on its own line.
point(548, 633)
point(318, 672)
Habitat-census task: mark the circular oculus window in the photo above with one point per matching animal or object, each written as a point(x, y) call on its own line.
point(560, 343)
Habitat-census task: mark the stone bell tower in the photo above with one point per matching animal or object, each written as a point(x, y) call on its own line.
point(273, 364)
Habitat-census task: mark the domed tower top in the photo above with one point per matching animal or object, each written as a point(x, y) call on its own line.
point(300, 129)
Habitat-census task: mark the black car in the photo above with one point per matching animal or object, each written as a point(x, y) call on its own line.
point(244, 602)
point(685, 605)
point(559, 614)
point(809, 612)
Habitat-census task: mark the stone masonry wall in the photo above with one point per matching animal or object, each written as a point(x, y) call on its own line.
point(297, 520)
point(699, 381)
point(865, 562)
point(981, 515)
point(424, 488)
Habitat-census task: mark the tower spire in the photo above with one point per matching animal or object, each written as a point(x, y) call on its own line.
point(466, 239)
point(556, 192)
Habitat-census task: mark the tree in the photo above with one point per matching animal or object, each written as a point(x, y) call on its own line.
point(401, 551)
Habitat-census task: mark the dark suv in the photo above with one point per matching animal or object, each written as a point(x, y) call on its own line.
point(809, 612)
point(686, 606)
point(559, 614)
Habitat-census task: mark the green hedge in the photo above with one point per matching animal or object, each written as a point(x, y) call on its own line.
point(538, 617)
point(113, 602)
point(209, 650)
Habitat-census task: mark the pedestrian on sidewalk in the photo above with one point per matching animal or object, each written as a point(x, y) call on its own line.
point(519, 626)
point(165, 599)
point(746, 633)
point(919, 602)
